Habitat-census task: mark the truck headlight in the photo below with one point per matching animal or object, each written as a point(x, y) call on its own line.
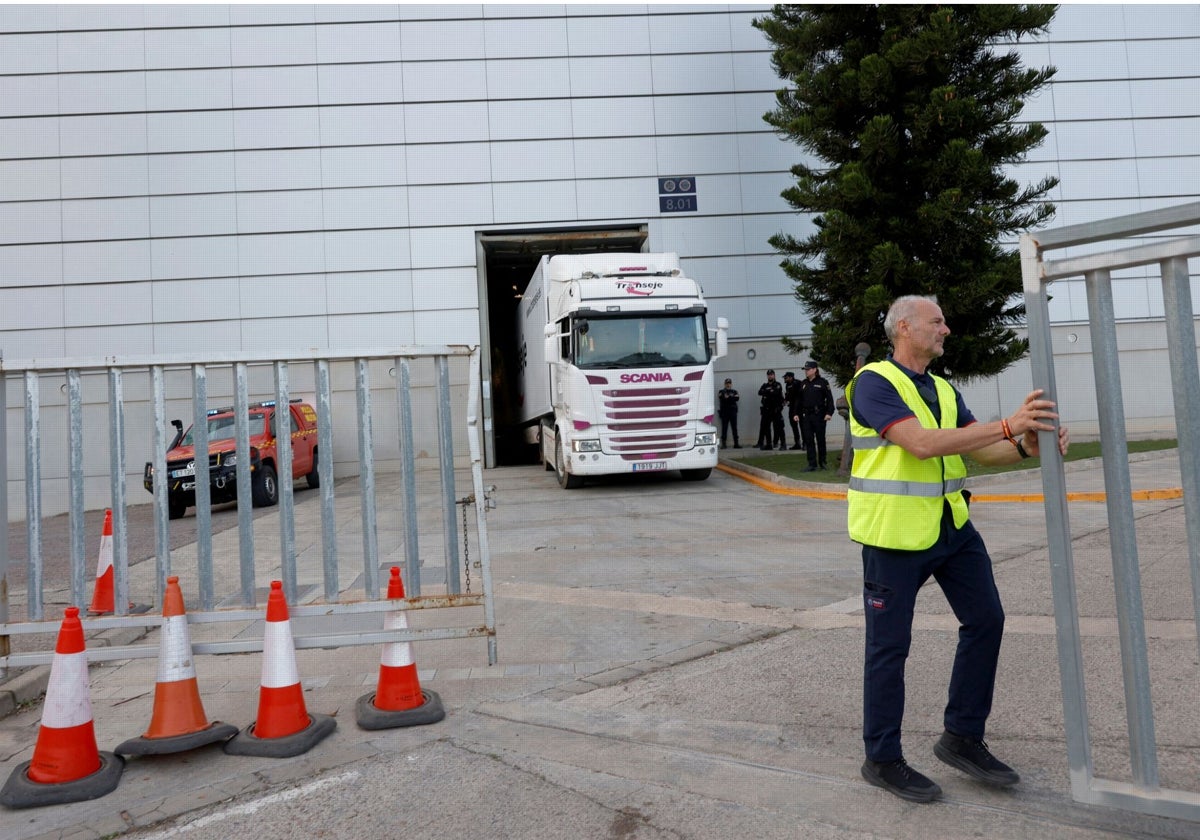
point(230, 460)
point(591, 445)
point(706, 439)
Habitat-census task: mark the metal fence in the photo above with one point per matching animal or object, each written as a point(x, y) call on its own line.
point(1170, 255)
point(224, 589)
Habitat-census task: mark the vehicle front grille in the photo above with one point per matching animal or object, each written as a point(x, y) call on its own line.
point(646, 422)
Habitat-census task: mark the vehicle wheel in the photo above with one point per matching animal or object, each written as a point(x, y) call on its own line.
point(565, 480)
point(314, 477)
point(265, 492)
point(175, 508)
point(696, 475)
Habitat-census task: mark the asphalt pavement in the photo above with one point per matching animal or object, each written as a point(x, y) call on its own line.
point(676, 660)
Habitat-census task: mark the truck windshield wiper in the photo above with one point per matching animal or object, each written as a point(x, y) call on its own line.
point(642, 359)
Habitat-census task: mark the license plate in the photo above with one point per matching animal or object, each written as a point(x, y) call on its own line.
point(649, 466)
point(185, 471)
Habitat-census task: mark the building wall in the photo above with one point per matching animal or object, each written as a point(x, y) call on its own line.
point(185, 178)
point(287, 176)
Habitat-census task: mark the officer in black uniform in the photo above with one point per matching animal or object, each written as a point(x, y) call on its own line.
point(727, 410)
point(770, 425)
point(791, 396)
point(816, 409)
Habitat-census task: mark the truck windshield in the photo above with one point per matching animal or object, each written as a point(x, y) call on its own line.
point(642, 341)
point(222, 427)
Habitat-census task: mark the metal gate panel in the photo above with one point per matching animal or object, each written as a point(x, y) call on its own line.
point(381, 381)
point(1144, 793)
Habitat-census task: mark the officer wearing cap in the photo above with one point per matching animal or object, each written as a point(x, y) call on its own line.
point(791, 395)
point(727, 409)
point(816, 409)
point(770, 424)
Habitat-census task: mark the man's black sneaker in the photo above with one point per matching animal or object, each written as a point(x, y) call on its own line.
point(796, 446)
point(972, 756)
point(898, 778)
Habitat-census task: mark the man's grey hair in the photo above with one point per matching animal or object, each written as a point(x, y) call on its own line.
point(903, 309)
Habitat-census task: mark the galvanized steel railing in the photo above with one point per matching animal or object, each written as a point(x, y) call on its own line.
point(1170, 255)
point(153, 372)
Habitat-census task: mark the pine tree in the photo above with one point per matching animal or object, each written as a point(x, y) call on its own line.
point(909, 113)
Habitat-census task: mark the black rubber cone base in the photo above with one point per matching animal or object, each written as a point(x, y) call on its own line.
point(369, 716)
point(247, 743)
point(211, 734)
point(22, 792)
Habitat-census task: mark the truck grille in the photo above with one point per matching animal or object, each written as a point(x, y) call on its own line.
point(643, 422)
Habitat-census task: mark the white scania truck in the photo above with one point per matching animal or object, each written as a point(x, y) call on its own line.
point(616, 371)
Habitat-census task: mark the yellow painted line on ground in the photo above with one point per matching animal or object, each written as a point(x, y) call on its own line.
point(1082, 496)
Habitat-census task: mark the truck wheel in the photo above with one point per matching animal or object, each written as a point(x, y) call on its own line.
point(175, 508)
point(565, 480)
point(314, 477)
point(265, 491)
point(696, 475)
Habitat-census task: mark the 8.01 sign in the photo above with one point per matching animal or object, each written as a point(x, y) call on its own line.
point(677, 194)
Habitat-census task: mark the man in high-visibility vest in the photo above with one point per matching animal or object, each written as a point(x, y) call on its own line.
point(907, 508)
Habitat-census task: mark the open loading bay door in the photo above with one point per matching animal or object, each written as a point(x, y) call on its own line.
point(507, 260)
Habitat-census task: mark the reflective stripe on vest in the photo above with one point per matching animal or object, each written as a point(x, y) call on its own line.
point(894, 499)
point(907, 488)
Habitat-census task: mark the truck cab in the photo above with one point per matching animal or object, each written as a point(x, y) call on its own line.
point(618, 367)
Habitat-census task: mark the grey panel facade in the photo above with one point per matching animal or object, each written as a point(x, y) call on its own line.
point(173, 176)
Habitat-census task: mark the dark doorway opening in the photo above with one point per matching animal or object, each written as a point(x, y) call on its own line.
point(509, 260)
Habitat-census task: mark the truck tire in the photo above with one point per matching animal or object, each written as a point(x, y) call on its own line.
point(314, 477)
point(565, 480)
point(696, 475)
point(175, 508)
point(265, 492)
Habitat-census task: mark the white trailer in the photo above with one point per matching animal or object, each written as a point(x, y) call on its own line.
point(616, 368)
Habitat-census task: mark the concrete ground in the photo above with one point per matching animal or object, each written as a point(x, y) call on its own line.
point(676, 660)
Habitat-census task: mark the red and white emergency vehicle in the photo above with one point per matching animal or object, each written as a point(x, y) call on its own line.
point(222, 456)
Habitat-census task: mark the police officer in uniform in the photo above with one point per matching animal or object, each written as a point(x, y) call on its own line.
point(770, 425)
point(907, 508)
point(727, 410)
point(816, 409)
point(791, 395)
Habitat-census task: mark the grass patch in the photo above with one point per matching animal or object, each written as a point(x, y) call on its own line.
point(1077, 452)
point(792, 464)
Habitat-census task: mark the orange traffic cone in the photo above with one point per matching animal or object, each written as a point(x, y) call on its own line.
point(284, 727)
point(66, 765)
point(178, 722)
point(398, 699)
point(103, 600)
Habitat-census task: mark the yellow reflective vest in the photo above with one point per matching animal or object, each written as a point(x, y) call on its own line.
point(896, 499)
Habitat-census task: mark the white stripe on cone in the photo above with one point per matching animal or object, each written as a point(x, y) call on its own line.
point(67, 702)
point(105, 559)
point(396, 654)
point(175, 661)
point(279, 656)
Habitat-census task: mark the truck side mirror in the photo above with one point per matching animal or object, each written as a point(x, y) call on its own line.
point(551, 349)
point(722, 338)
